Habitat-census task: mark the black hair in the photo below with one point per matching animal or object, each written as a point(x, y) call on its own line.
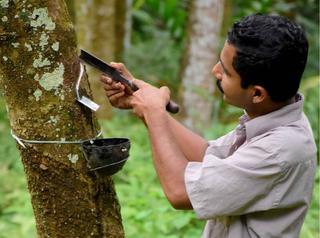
point(271, 51)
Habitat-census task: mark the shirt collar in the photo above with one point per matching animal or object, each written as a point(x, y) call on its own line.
point(280, 117)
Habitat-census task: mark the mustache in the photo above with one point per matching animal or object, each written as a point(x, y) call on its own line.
point(218, 83)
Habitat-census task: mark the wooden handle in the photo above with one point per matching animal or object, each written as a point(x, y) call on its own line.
point(172, 107)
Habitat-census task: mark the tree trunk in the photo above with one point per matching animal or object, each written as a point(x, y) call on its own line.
point(71, 9)
point(39, 68)
point(122, 28)
point(200, 55)
point(101, 30)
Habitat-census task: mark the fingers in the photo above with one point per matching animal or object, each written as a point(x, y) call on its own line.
point(106, 79)
point(115, 97)
point(139, 83)
point(116, 92)
point(121, 68)
point(113, 90)
point(110, 92)
point(109, 84)
point(165, 92)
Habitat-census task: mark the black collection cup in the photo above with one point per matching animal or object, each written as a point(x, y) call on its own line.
point(106, 155)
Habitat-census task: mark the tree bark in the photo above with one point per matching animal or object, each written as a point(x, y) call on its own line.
point(39, 68)
point(71, 9)
point(122, 28)
point(200, 55)
point(101, 29)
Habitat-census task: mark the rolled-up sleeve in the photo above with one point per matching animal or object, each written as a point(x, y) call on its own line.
point(242, 183)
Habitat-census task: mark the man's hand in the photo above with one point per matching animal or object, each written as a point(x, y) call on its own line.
point(146, 99)
point(149, 99)
point(117, 93)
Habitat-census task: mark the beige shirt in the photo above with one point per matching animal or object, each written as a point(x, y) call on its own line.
point(263, 188)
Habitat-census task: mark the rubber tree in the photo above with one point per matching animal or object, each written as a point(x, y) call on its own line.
point(39, 69)
point(205, 20)
point(102, 29)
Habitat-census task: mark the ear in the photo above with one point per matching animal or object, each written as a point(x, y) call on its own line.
point(260, 94)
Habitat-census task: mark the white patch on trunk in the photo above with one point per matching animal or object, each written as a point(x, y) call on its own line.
point(43, 40)
point(4, 19)
point(50, 81)
point(53, 120)
point(38, 63)
point(37, 94)
point(4, 3)
point(55, 46)
point(15, 45)
point(28, 46)
point(73, 158)
point(40, 17)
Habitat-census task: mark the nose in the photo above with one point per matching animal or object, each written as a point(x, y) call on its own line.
point(216, 71)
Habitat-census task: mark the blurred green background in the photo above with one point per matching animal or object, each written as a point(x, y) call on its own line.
point(159, 28)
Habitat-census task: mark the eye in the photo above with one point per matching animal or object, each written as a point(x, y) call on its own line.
point(221, 68)
point(223, 71)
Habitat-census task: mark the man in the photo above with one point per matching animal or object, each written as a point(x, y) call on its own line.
point(257, 180)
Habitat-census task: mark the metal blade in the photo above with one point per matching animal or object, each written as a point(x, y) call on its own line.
point(106, 68)
point(89, 103)
point(96, 63)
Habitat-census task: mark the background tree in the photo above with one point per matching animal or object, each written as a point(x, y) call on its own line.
point(203, 40)
point(39, 68)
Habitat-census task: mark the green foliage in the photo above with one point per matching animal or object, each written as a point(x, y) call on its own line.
point(311, 227)
point(310, 87)
point(169, 15)
point(155, 60)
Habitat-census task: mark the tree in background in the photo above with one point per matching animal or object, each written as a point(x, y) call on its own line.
point(203, 40)
point(39, 68)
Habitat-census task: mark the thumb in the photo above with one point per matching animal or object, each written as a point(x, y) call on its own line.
point(165, 91)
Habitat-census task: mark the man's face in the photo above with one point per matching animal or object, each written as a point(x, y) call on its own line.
point(229, 80)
